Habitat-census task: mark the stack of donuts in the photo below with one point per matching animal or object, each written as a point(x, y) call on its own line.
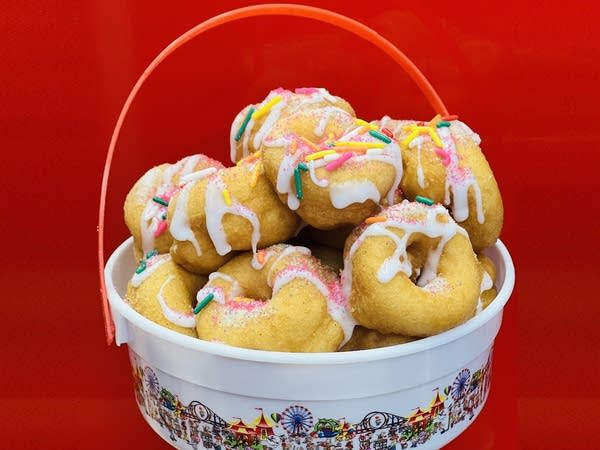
point(327, 233)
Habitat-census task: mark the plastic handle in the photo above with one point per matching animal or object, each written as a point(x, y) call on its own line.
point(309, 12)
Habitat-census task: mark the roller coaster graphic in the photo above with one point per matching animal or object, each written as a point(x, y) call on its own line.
point(295, 428)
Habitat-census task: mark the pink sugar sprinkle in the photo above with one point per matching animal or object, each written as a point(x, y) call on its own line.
point(160, 229)
point(444, 156)
point(280, 90)
point(338, 162)
point(306, 91)
point(244, 306)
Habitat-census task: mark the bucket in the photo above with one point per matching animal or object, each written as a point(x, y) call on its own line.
point(199, 394)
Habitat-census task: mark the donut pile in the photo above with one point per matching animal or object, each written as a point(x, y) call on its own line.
point(329, 233)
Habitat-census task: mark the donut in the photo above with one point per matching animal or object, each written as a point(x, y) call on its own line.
point(284, 301)
point(254, 122)
point(365, 339)
point(145, 208)
point(443, 161)
point(164, 292)
point(411, 271)
point(487, 288)
point(232, 209)
point(337, 181)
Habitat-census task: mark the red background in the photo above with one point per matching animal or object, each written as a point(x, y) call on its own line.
point(523, 74)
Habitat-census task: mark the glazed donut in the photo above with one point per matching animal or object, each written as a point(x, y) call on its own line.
point(254, 122)
point(339, 181)
point(228, 209)
point(411, 271)
point(284, 301)
point(146, 203)
point(365, 339)
point(443, 161)
point(163, 292)
point(487, 289)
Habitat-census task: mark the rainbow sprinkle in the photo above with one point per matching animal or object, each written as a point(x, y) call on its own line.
point(365, 124)
point(160, 201)
point(160, 229)
point(303, 167)
point(141, 267)
point(266, 107)
point(376, 219)
point(417, 130)
point(442, 123)
point(359, 144)
point(298, 183)
point(319, 154)
point(260, 256)
point(380, 136)
point(339, 161)
point(239, 133)
point(387, 132)
point(151, 253)
point(204, 302)
point(424, 200)
point(227, 197)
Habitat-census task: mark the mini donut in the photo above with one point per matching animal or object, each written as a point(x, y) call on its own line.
point(487, 289)
point(146, 203)
point(411, 271)
point(164, 292)
point(365, 339)
point(285, 301)
point(230, 209)
point(443, 161)
point(338, 181)
point(254, 122)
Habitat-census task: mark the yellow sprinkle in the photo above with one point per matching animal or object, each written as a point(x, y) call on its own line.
point(266, 107)
point(226, 197)
point(409, 138)
point(320, 154)
point(360, 144)
point(255, 173)
point(364, 123)
point(435, 138)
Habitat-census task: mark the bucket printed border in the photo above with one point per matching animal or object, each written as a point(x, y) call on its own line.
point(295, 428)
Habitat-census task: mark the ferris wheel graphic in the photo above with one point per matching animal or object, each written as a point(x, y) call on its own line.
point(297, 419)
point(460, 385)
point(151, 381)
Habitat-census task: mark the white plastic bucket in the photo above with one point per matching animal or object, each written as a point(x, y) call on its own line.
point(198, 394)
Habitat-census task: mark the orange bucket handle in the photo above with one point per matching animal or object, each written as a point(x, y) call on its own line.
point(309, 12)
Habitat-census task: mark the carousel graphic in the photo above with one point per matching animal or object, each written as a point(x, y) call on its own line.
point(295, 428)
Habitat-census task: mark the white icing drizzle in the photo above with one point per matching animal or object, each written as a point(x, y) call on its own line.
point(418, 141)
point(216, 208)
point(458, 182)
point(313, 175)
point(325, 116)
point(218, 291)
point(180, 318)
point(180, 227)
point(285, 175)
point(151, 216)
point(272, 117)
point(198, 175)
point(339, 312)
point(486, 283)
point(151, 265)
point(289, 250)
point(346, 193)
point(235, 126)
point(399, 261)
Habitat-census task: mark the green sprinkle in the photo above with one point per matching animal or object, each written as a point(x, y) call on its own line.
point(303, 167)
point(151, 253)
point(443, 123)
point(380, 136)
point(298, 182)
point(160, 201)
point(203, 303)
point(424, 200)
point(141, 267)
point(238, 135)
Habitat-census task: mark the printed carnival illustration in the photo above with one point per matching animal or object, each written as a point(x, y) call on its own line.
point(296, 428)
